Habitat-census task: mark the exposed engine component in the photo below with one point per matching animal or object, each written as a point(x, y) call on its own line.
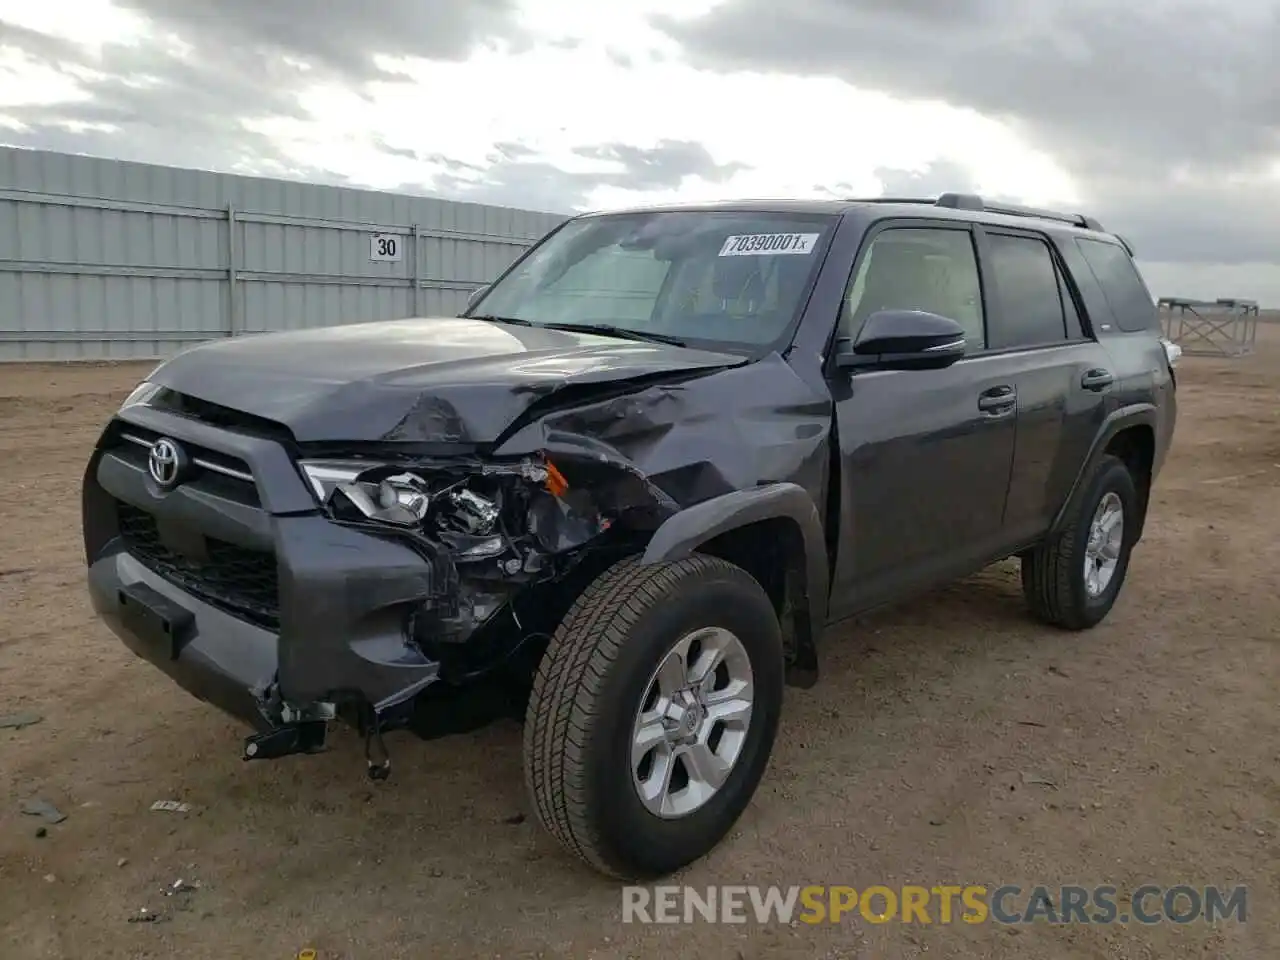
point(471, 514)
point(562, 523)
point(526, 468)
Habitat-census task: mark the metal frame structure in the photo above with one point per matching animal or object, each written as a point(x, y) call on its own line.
point(1226, 327)
point(114, 260)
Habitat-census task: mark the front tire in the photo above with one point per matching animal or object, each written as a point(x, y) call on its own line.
point(1072, 580)
point(638, 759)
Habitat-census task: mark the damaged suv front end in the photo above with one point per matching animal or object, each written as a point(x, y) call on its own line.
point(290, 590)
point(412, 523)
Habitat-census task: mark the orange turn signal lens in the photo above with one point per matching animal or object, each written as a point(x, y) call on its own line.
point(557, 485)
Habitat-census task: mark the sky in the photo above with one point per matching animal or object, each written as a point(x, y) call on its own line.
point(1160, 118)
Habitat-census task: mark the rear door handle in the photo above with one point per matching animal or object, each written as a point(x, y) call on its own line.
point(998, 401)
point(1097, 379)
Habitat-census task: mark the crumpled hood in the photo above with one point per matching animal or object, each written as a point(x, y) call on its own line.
point(431, 380)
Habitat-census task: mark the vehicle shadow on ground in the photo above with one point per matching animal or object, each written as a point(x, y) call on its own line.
point(453, 826)
point(874, 670)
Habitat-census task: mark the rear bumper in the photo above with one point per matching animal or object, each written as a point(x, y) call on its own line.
point(1166, 425)
point(323, 616)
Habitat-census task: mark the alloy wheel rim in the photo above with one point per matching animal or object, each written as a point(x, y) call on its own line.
point(692, 723)
point(1102, 551)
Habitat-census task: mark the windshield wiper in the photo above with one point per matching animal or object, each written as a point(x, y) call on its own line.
point(610, 330)
point(494, 318)
point(607, 329)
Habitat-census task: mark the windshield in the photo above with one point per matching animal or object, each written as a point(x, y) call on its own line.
point(727, 279)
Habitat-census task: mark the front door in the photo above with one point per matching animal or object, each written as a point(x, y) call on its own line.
point(925, 456)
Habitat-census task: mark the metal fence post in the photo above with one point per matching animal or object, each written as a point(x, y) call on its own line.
point(417, 271)
point(233, 308)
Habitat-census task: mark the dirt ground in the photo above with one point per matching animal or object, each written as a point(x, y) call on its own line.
point(915, 760)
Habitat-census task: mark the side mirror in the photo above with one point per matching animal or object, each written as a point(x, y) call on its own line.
point(904, 340)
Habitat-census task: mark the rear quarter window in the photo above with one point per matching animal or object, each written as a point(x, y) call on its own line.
point(1122, 285)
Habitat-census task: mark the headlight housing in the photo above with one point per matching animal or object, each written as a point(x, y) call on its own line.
point(508, 515)
point(400, 499)
point(140, 394)
point(325, 476)
point(386, 493)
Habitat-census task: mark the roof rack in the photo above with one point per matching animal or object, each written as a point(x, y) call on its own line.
point(971, 201)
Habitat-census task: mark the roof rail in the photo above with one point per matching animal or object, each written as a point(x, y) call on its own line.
point(928, 200)
point(971, 201)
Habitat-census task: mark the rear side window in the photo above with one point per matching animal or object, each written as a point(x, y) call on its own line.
point(1030, 298)
point(1122, 285)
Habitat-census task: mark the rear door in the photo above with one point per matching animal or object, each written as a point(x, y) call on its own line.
point(1065, 380)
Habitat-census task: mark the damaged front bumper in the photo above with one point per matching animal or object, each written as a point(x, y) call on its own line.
point(236, 585)
point(345, 601)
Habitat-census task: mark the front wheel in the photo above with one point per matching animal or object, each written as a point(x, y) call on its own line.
point(1073, 579)
point(653, 714)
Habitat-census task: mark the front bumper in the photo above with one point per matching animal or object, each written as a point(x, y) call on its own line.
point(243, 593)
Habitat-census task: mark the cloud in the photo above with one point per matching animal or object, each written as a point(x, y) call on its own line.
point(1166, 113)
point(340, 39)
point(1160, 83)
point(38, 45)
point(155, 101)
point(660, 167)
point(514, 177)
point(942, 176)
point(186, 86)
point(1162, 119)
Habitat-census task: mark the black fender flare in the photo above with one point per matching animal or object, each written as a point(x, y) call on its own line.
point(682, 533)
point(1130, 415)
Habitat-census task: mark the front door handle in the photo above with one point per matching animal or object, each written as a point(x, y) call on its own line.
point(1097, 379)
point(998, 401)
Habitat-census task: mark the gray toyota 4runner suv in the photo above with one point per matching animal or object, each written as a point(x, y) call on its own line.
point(623, 495)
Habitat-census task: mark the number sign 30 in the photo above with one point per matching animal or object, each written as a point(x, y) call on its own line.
point(384, 247)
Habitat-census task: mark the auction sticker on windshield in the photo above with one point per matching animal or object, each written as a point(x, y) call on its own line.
point(768, 244)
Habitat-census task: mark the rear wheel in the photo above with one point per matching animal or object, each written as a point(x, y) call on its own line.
point(1073, 579)
point(653, 714)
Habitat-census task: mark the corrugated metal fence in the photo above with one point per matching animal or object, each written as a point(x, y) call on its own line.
point(107, 259)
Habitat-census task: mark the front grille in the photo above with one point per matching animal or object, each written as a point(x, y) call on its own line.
point(220, 473)
point(236, 579)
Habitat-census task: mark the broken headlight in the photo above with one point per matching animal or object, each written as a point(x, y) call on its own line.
point(400, 499)
point(465, 520)
point(513, 514)
point(325, 475)
point(141, 394)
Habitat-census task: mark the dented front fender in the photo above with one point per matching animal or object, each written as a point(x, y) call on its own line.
point(681, 534)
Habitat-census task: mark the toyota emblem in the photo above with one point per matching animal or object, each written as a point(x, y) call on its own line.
point(166, 463)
